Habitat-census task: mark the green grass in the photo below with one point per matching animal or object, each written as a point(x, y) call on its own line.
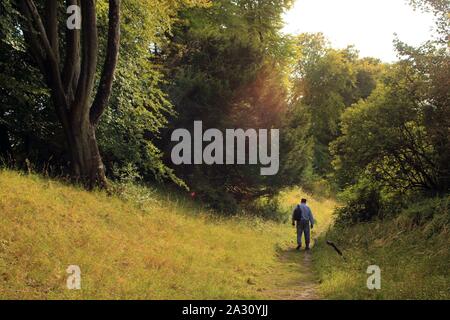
point(413, 254)
point(155, 246)
point(158, 245)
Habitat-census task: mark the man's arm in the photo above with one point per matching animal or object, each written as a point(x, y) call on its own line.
point(293, 214)
point(311, 218)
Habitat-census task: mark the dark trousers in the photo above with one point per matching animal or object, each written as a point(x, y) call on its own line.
point(303, 227)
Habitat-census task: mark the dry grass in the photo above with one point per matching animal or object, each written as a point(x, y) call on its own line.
point(414, 259)
point(164, 248)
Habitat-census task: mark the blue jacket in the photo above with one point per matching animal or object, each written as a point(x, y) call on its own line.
point(306, 213)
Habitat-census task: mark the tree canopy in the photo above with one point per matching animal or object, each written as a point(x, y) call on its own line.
point(102, 101)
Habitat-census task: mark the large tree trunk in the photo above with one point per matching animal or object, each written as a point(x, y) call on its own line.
point(72, 86)
point(86, 162)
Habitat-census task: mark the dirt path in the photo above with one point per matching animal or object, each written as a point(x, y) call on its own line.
point(293, 279)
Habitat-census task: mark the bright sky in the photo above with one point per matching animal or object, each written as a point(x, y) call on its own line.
point(368, 24)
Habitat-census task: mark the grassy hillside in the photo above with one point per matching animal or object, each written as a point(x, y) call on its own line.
point(155, 247)
point(412, 251)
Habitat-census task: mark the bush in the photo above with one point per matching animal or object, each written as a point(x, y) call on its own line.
point(218, 200)
point(368, 200)
point(319, 187)
point(127, 186)
point(268, 209)
point(362, 204)
point(436, 210)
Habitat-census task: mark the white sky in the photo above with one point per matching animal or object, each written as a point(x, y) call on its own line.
point(368, 24)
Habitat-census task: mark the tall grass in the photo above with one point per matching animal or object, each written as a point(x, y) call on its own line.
point(146, 244)
point(412, 251)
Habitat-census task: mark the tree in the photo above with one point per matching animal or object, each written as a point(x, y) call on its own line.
point(25, 126)
point(70, 76)
point(215, 52)
point(440, 9)
point(228, 66)
point(326, 82)
point(388, 138)
point(394, 145)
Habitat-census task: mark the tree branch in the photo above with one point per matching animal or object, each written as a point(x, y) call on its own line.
point(109, 67)
point(72, 62)
point(51, 26)
point(30, 11)
point(49, 63)
point(29, 33)
point(89, 60)
point(335, 248)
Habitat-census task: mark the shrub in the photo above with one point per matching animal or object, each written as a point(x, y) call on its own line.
point(363, 203)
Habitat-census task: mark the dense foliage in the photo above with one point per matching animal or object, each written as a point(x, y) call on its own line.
point(394, 147)
point(376, 133)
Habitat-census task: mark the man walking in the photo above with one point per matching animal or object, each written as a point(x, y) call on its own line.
point(301, 218)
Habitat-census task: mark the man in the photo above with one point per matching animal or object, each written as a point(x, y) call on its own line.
point(302, 217)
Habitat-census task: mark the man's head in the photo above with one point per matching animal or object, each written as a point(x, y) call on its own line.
point(303, 200)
